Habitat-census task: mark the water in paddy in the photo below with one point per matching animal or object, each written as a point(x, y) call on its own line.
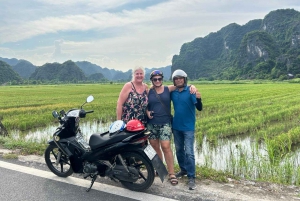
point(223, 156)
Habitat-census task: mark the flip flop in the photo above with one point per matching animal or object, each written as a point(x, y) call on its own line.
point(173, 180)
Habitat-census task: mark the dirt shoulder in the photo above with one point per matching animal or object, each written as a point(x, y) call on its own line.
point(233, 190)
point(207, 190)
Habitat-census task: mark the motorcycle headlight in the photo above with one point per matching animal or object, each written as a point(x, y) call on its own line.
point(56, 138)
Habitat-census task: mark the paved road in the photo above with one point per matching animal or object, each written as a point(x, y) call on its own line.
point(24, 183)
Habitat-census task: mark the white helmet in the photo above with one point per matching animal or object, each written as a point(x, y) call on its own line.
point(179, 73)
point(118, 125)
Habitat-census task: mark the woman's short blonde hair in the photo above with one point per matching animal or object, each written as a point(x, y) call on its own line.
point(137, 68)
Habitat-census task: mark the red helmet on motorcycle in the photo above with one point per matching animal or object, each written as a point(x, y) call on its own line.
point(135, 125)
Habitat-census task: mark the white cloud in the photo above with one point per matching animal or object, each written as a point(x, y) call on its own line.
point(91, 3)
point(121, 34)
point(7, 52)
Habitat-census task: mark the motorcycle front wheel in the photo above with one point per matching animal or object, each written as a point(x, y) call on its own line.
point(145, 169)
point(61, 168)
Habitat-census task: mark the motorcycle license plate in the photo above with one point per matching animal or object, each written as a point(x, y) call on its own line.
point(150, 152)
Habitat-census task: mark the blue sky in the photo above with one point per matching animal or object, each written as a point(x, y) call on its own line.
point(117, 34)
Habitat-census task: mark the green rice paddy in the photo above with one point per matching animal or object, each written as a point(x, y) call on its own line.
point(267, 112)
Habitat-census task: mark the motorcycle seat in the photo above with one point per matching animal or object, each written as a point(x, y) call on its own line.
point(100, 140)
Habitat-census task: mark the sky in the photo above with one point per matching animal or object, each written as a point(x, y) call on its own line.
point(118, 34)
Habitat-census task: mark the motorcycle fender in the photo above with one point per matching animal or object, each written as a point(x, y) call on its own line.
point(159, 167)
point(51, 142)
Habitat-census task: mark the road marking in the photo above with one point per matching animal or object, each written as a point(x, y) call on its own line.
point(84, 183)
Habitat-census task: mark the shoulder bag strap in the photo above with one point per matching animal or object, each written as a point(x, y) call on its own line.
point(157, 96)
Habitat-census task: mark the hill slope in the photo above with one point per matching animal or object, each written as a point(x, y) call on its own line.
point(264, 49)
point(8, 74)
point(24, 68)
point(68, 71)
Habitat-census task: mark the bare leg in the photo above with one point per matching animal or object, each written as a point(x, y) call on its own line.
point(156, 146)
point(168, 154)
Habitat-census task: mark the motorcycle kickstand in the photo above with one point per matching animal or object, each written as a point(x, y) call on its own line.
point(93, 180)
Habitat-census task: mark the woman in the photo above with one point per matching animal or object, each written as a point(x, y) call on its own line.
point(159, 121)
point(133, 98)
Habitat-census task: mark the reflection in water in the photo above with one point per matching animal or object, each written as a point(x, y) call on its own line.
point(217, 157)
point(220, 156)
point(45, 134)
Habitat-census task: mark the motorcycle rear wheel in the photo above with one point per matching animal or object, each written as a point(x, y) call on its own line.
point(63, 168)
point(145, 169)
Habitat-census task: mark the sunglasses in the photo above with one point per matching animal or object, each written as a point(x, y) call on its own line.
point(157, 79)
point(178, 78)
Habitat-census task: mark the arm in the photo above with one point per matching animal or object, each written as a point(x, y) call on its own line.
point(171, 88)
point(149, 114)
point(199, 101)
point(122, 98)
point(147, 88)
point(193, 89)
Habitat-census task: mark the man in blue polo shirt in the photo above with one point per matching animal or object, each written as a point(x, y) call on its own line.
point(183, 125)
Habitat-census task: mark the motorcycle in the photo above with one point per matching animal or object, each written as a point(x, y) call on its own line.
point(122, 153)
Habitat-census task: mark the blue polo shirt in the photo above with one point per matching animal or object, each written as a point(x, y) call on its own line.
point(184, 109)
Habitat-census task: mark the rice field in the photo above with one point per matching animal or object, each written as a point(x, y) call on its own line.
point(266, 112)
point(25, 107)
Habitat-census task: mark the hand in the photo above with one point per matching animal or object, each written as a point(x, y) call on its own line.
point(198, 95)
point(193, 89)
point(150, 114)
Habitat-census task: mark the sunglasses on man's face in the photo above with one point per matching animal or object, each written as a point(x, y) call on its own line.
point(157, 79)
point(178, 78)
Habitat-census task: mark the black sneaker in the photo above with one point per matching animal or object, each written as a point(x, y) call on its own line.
point(180, 174)
point(192, 184)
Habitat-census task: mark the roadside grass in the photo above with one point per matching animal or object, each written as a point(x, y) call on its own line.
point(10, 156)
point(23, 147)
point(203, 172)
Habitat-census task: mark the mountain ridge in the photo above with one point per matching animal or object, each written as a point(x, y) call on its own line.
point(261, 49)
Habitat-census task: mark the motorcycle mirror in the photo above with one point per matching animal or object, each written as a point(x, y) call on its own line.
point(90, 99)
point(55, 114)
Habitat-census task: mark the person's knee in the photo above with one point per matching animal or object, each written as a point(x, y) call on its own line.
point(155, 144)
point(167, 150)
point(165, 144)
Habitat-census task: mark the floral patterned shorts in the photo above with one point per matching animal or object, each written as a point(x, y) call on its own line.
point(161, 132)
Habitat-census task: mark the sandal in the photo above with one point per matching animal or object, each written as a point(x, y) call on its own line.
point(173, 180)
